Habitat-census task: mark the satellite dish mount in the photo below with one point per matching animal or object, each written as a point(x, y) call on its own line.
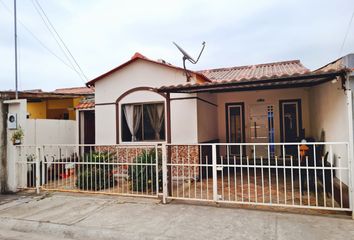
point(186, 56)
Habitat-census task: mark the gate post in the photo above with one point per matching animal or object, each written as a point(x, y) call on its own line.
point(37, 169)
point(164, 174)
point(215, 177)
point(44, 168)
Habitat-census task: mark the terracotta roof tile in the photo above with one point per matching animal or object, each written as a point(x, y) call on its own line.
point(75, 90)
point(86, 103)
point(271, 80)
point(259, 71)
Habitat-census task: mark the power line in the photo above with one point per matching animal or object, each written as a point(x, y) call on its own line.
point(58, 43)
point(36, 38)
point(346, 34)
point(60, 38)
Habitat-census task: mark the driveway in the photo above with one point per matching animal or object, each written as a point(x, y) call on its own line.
point(70, 216)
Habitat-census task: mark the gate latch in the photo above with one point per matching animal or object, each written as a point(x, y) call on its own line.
point(219, 168)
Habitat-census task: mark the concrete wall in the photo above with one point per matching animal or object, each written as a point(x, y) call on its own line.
point(143, 74)
point(329, 114)
point(207, 110)
point(52, 109)
point(184, 125)
point(3, 142)
point(20, 108)
point(37, 110)
point(50, 131)
point(137, 74)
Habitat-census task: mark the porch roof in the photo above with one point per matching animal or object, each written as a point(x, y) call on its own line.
point(87, 103)
point(305, 79)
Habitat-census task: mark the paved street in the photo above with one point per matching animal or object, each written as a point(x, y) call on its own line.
point(69, 216)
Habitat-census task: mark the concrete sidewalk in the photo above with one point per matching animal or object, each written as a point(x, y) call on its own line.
point(69, 216)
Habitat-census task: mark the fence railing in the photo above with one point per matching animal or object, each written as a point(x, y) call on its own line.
point(115, 169)
point(308, 175)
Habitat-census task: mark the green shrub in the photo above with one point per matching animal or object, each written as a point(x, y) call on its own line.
point(143, 177)
point(95, 176)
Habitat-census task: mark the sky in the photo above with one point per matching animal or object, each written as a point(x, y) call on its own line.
point(104, 34)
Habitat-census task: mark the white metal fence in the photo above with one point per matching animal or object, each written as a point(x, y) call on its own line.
point(309, 175)
point(114, 169)
point(306, 175)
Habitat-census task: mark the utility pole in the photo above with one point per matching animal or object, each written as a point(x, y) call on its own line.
point(15, 25)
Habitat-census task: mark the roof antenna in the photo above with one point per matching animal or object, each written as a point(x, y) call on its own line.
point(186, 56)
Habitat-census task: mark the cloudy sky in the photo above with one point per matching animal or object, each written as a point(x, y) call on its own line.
point(103, 34)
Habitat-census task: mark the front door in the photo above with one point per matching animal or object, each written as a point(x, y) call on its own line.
point(235, 126)
point(89, 129)
point(261, 129)
point(290, 123)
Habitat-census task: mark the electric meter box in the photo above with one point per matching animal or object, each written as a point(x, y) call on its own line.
point(12, 121)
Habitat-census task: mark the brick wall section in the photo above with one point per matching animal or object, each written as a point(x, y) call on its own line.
point(179, 154)
point(185, 154)
point(122, 155)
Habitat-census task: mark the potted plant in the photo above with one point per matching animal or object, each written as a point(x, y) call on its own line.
point(17, 136)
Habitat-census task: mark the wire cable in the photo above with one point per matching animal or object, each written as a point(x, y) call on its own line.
point(58, 43)
point(36, 38)
point(60, 38)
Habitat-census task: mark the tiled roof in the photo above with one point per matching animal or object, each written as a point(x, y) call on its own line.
point(75, 90)
point(39, 95)
point(285, 81)
point(138, 56)
point(86, 103)
point(259, 71)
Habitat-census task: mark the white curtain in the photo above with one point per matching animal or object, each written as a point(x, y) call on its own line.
point(133, 117)
point(156, 116)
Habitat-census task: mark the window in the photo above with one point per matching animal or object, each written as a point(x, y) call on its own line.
point(143, 122)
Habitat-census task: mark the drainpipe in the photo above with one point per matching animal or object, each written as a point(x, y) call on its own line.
point(349, 95)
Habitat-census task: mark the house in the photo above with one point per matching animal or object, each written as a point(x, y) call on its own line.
point(57, 104)
point(274, 134)
point(254, 113)
point(274, 102)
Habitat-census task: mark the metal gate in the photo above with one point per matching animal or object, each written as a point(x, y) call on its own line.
point(108, 169)
point(317, 177)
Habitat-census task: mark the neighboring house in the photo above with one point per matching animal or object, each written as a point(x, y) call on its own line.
point(58, 104)
point(44, 117)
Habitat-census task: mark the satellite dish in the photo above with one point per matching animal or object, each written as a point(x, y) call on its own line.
point(186, 56)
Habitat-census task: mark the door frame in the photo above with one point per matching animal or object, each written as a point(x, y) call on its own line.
point(299, 120)
point(242, 120)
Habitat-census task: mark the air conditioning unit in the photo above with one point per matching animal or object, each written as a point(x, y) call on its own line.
point(12, 121)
